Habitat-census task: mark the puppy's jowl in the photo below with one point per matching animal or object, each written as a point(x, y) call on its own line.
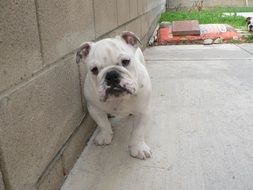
point(249, 21)
point(117, 83)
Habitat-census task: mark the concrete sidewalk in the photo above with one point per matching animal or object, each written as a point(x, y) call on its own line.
point(201, 132)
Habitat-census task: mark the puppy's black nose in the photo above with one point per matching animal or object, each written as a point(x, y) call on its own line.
point(112, 77)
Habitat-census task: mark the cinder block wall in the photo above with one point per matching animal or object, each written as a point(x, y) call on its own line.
point(208, 3)
point(44, 123)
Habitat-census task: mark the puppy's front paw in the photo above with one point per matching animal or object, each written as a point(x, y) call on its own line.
point(140, 150)
point(103, 138)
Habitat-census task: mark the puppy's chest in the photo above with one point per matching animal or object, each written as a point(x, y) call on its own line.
point(119, 107)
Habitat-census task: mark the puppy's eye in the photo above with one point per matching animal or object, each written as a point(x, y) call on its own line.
point(94, 70)
point(125, 62)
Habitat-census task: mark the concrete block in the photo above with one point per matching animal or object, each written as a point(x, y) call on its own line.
point(158, 3)
point(145, 6)
point(123, 8)
point(20, 55)
point(117, 31)
point(1, 182)
point(133, 8)
point(150, 15)
point(105, 16)
point(54, 178)
point(155, 12)
point(82, 74)
point(140, 7)
point(144, 42)
point(181, 3)
point(77, 143)
point(150, 18)
point(144, 24)
point(64, 25)
point(135, 26)
point(36, 120)
point(153, 25)
point(152, 4)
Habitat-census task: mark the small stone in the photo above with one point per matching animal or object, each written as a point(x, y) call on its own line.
point(235, 38)
point(208, 42)
point(218, 41)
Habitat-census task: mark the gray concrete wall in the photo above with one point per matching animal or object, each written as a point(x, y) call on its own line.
point(43, 117)
point(208, 3)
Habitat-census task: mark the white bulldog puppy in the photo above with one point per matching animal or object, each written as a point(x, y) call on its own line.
point(249, 21)
point(118, 84)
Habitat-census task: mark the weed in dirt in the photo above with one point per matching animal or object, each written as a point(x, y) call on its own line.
point(249, 38)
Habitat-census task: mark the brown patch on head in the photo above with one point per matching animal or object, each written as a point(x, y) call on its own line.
point(83, 51)
point(130, 38)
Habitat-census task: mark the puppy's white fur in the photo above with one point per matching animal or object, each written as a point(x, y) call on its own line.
point(107, 55)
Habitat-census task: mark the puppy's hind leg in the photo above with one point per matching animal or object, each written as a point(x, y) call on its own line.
point(105, 134)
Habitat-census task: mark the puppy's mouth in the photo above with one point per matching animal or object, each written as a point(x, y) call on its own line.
point(116, 90)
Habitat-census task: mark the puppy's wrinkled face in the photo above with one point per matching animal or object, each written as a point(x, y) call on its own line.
point(111, 66)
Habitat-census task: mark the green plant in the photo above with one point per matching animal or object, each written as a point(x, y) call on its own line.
point(249, 38)
point(214, 16)
point(234, 41)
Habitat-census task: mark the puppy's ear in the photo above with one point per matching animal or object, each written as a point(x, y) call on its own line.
point(130, 38)
point(83, 51)
point(248, 19)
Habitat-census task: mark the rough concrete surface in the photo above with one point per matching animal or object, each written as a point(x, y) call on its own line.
point(117, 31)
point(134, 26)
point(144, 24)
point(219, 52)
point(20, 55)
point(53, 178)
point(105, 16)
point(36, 120)
point(140, 6)
point(246, 47)
point(1, 182)
point(200, 133)
point(133, 4)
point(77, 143)
point(123, 8)
point(60, 36)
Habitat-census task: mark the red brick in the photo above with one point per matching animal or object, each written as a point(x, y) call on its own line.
point(182, 28)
